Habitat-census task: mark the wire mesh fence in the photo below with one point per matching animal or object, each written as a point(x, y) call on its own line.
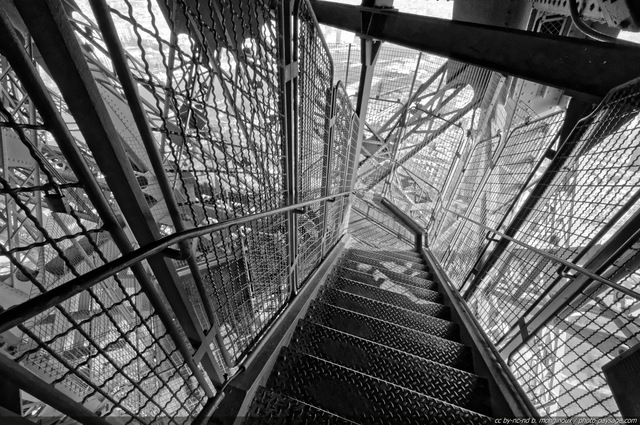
point(209, 79)
point(315, 85)
point(106, 347)
point(561, 199)
point(500, 167)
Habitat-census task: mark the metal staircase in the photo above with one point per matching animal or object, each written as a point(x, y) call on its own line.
point(202, 221)
point(376, 345)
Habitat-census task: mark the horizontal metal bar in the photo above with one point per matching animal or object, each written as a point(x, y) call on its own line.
point(21, 312)
point(41, 390)
point(586, 68)
point(554, 257)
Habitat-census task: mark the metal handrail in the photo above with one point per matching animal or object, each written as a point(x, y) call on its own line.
point(22, 312)
point(553, 257)
point(497, 367)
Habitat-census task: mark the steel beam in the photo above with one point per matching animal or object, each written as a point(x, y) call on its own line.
point(10, 47)
point(33, 385)
point(586, 69)
point(64, 57)
point(288, 107)
point(569, 138)
point(129, 86)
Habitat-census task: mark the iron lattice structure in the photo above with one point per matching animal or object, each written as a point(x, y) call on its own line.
point(229, 116)
point(474, 155)
point(215, 89)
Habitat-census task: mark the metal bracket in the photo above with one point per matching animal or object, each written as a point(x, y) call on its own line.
point(302, 210)
point(562, 271)
point(291, 71)
point(56, 203)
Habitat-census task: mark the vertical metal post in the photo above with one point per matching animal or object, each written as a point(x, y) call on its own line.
point(368, 55)
point(326, 185)
point(346, 75)
point(7, 199)
point(386, 188)
point(289, 82)
point(36, 143)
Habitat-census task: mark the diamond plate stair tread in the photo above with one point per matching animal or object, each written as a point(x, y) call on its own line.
point(274, 408)
point(398, 316)
point(397, 255)
point(423, 345)
point(390, 293)
point(372, 273)
point(396, 268)
point(424, 376)
point(405, 253)
point(359, 397)
point(394, 264)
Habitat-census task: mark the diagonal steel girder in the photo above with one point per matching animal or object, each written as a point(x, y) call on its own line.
point(586, 69)
point(55, 38)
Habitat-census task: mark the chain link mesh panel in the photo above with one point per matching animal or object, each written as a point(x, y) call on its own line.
point(209, 81)
point(106, 347)
point(315, 98)
point(591, 192)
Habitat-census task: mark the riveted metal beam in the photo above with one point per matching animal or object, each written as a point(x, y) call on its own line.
point(584, 68)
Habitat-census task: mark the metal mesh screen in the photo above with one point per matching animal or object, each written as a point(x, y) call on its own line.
point(372, 226)
point(589, 195)
point(106, 347)
point(209, 79)
point(315, 89)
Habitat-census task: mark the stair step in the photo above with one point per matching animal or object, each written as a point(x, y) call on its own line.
point(427, 346)
point(274, 408)
point(409, 269)
point(372, 274)
point(357, 396)
point(391, 293)
point(400, 255)
point(396, 315)
point(424, 376)
point(386, 261)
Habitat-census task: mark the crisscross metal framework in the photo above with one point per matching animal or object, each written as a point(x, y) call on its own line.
point(532, 217)
point(221, 116)
point(523, 229)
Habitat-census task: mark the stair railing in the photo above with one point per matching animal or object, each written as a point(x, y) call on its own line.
point(511, 400)
point(239, 98)
point(553, 279)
